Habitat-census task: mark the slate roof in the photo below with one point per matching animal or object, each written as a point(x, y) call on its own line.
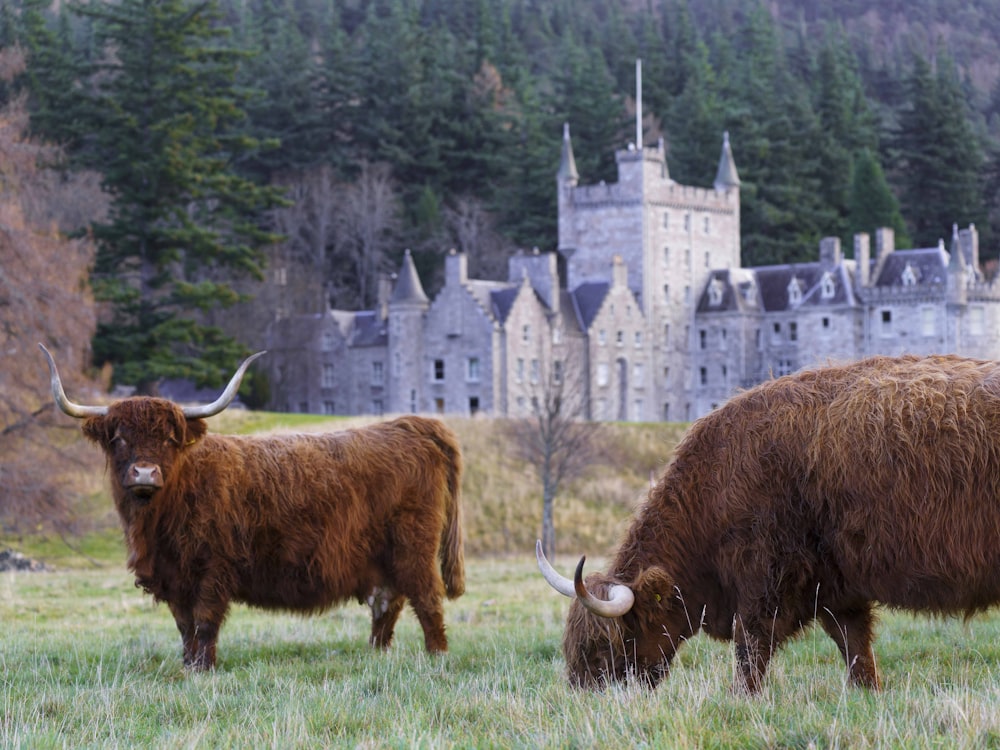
point(408, 288)
point(767, 288)
point(928, 265)
point(587, 300)
point(369, 330)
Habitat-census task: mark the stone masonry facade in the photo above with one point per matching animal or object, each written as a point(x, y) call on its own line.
point(652, 319)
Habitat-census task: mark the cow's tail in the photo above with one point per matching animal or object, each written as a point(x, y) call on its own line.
point(452, 541)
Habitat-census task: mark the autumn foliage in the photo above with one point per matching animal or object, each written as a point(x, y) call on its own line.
point(43, 298)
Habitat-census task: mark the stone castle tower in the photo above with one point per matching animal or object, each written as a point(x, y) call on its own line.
point(668, 236)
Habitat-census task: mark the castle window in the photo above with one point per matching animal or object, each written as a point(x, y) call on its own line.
point(825, 323)
point(707, 259)
point(909, 276)
point(281, 276)
point(620, 338)
point(793, 331)
point(702, 339)
point(377, 374)
point(708, 225)
point(725, 373)
point(794, 292)
point(977, 319)
point(557, 334)
point(666, 336)
point(526, 333)
point(328, 340)
point(638, 339)
point(722, 339)
point(472, 369)
point(776, 333)
point(637, 410)
point(637, 374)
point(666, 220)
point(557, 371)
point(886, 317)
point(328, 407)
point(784, 367)
point(413, 401)
point(602, 373)
point(928, 321)
point(377, 407)
point(687, 222)
point(703, 375)
point(715, 289)
point(519, 373)
point(437, 373)
point(602, 337)
point(827, 287)
point(666, 256)
point(329, 376)
point(473, 405)
point(396, 364)
point(536, 370)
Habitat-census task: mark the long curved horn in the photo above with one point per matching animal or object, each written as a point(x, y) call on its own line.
point(621, 600)
point(560, 583)
point(210, 410)
point(68, 407)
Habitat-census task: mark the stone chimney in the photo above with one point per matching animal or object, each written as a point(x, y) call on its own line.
point(384, 292)
point(885, 243)
point(829, 252)
point(456, 268)
point(863, 258)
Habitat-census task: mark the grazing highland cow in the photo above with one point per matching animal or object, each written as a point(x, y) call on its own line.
point(298, 522)
point(814, 495)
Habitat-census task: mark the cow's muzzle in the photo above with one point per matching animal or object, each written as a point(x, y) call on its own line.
point(143, 479)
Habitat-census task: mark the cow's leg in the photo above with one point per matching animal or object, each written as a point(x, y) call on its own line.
point(185, 624)
point(208, 616)
point(416, 576)
point(757, 638)
point(386, 606)
point(853, 630)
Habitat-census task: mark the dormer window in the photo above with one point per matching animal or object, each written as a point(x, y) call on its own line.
point(909, 276)
point(715, 289)
point(827, 287)
point(794, 292)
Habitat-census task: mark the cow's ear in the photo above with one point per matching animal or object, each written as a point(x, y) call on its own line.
point(99, 430)
point(655, 587)
point(194, 430)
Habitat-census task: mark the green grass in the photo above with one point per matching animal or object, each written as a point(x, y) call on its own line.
point(89, 661)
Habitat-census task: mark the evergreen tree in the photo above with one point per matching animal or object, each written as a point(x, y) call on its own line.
point(941, 158)
point(280, 69)
point(181, 221)
point(871, 204)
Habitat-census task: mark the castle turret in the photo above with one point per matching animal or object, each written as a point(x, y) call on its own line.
point(567, 164)
point(726, 177)
point(407, 307)
point(957, 272)
point(542, 270)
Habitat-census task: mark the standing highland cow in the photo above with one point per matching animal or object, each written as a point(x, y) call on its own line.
point(814, 495)
point(298, 522)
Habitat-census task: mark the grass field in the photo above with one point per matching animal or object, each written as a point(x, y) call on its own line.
point(89, 661)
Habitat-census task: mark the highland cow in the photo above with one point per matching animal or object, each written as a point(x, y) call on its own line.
point(296, 522)
point(812, 496)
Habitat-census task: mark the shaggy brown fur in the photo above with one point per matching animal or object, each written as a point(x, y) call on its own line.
point(296, 522)
point(812, 496)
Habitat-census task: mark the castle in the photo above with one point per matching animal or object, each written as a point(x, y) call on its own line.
point(643, 312)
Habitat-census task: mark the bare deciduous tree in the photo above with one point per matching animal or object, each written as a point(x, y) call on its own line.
point(368, 223)
point(553, 435)
point(44, 297)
